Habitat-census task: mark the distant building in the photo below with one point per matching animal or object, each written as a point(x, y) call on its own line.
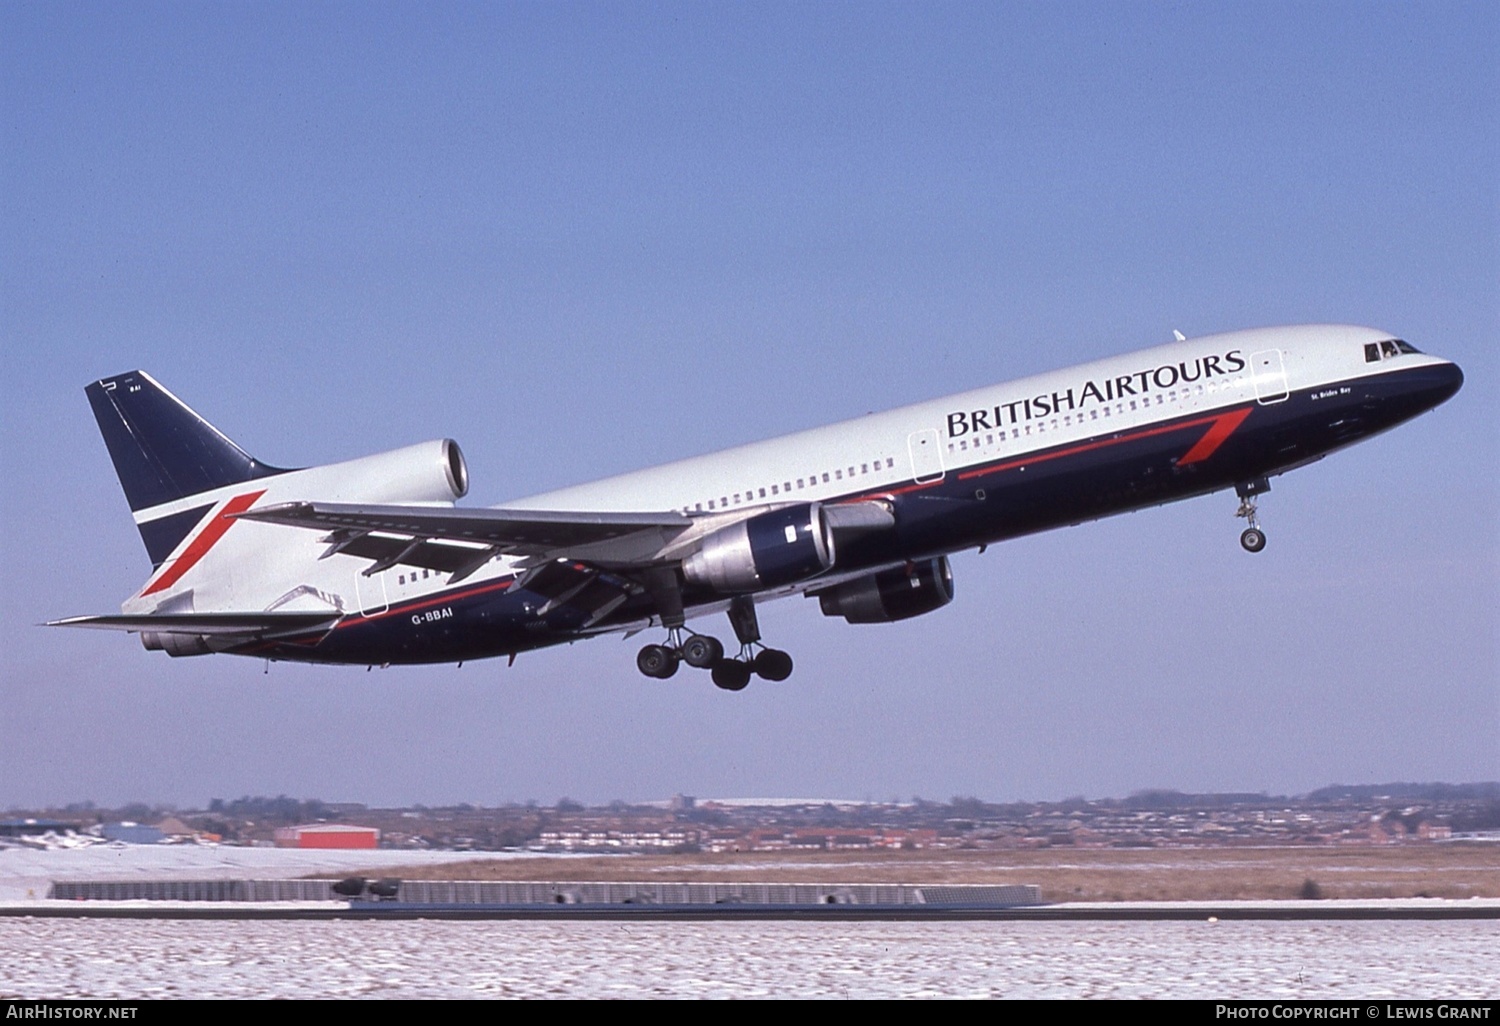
point(132, 833)
point(327, 835)
point(34, 827)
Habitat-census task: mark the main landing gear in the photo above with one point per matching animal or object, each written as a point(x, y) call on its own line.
point(707, 653)
point(1252, 538)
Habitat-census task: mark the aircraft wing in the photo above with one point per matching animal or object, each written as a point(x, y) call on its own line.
point(460, 541)
point(249, 624)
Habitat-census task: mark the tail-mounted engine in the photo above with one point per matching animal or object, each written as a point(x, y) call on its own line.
point(780, 547)
point(428, 472)
point(891, 595)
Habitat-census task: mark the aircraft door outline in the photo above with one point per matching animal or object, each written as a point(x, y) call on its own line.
point(1268, 372)
point(926, 456)
point(370, 594)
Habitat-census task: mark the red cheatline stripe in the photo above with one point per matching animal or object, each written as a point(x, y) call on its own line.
point(1222, 429)
point(438, 599)
point(207, 538)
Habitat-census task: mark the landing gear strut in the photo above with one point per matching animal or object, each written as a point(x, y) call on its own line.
point(707, 653)
point(768, 663)
point(1252, 539)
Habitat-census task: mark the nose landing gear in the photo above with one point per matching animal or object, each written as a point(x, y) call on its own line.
point(1252, 538)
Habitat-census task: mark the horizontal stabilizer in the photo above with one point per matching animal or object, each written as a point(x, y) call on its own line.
point(261, 624)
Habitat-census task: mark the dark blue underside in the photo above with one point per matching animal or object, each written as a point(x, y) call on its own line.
point(1077, 481)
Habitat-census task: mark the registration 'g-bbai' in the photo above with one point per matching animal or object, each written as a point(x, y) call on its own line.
point(371, 562)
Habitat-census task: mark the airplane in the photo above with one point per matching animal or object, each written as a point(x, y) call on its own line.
point(372, 562)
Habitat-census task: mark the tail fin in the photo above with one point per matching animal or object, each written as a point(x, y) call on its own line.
point(163, 452)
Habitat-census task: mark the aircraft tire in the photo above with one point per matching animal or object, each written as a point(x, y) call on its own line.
point(701, 651)
point(773, 664)
point(731, 674)
point(657, 661)
point(1253, 539)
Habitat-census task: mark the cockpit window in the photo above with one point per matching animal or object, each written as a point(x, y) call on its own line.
point(1375, 351)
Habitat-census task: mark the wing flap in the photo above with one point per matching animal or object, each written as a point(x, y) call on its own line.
point(459, 541)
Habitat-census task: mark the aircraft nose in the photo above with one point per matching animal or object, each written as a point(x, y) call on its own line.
point(1447, 380)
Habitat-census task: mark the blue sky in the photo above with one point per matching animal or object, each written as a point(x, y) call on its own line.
point(584, 238)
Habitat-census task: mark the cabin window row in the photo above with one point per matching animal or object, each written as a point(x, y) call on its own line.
point(777, 489)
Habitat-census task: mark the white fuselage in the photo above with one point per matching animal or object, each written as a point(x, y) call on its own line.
point(273, 567)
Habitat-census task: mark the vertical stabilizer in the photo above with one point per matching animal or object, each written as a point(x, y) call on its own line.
point(164, 452)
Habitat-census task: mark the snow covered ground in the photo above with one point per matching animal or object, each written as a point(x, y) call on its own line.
point(79, 958)
point(1365, 961)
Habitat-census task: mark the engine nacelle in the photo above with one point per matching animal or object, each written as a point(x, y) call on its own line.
point(779, 547)
point(176, 644)
point(428, 472)
point(891, 594)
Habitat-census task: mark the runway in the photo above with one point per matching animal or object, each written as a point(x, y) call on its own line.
point(309, 911)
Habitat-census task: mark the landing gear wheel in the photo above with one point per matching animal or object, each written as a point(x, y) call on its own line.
point(731, 674)
point(701, 651)
point(1253, 539)
point(657, 661)
point(772, 664)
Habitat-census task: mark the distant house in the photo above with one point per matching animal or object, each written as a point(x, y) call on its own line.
point(176, 829)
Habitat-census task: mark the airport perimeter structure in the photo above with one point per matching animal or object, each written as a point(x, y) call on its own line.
point(469, 900)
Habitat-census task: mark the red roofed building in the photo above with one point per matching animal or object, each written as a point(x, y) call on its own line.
point(327, 835)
